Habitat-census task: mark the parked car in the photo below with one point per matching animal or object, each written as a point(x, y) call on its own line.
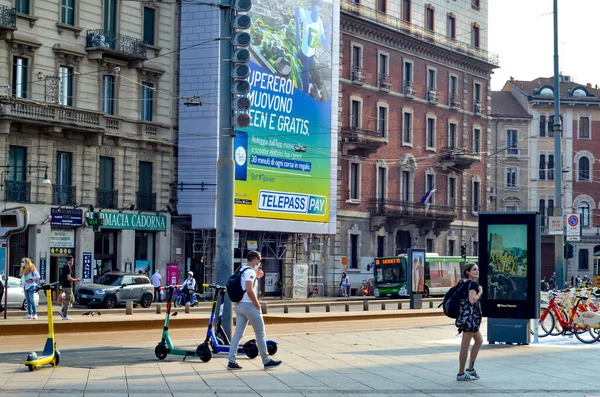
point(116, 288)
point(16, 295)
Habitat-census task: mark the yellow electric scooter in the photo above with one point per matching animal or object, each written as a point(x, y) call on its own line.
point(50, 355)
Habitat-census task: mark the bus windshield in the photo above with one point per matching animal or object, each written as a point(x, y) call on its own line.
point(390, 272)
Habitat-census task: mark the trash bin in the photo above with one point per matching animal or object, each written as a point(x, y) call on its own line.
point(416, 301)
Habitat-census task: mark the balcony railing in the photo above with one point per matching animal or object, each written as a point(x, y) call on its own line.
point(432, 95)
point(458, 158)
point(358, 76)
point(409, 88)
point(411, 210)
point(8, 18)
point(18, 191)
point(146, 201)
point(454, 101)
point(384, 82)
point(106, 198)
point(130, 48)
point(418, 32)
point(63, 195)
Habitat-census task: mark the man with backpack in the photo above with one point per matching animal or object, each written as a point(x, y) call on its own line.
point(247, 309)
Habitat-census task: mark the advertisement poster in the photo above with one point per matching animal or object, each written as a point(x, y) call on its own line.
point(300, 287)
point(143, 266)
point(271, 282)
point(3, 262)
point(417, 266)
point(507, 262)
point(282, 160)
point(87, 267)
point(43, 270)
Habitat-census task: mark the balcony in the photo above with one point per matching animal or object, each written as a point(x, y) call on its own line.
point(106, 198)
point(409, 89)
point(357, 75)
point(100, 43)
point(385, 83)
point(432, 96)
point(51, 115)
point(418, 32)
point(389, 212)
point(146, 201)
point(18, 191)
point(361, 142)
point(8, 18)
point(477, 108)
point(454, 101)
point(457, 158)
point(63, 195)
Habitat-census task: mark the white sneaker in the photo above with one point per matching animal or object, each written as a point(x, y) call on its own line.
point(472, 373)
point(464, 376)
point(60, 313)
point(35, 316)
point(27, 317)
point(67, 318)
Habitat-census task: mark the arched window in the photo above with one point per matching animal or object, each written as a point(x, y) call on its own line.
point(584, 169)
point(584, 214)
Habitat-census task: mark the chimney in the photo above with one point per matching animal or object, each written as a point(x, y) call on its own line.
point(512, 78)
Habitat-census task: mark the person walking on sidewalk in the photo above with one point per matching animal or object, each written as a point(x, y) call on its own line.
point(345, 285)
point(30, 281)
point(67, 280)
point(248, 310)
point(157, 283)
point(468, 323)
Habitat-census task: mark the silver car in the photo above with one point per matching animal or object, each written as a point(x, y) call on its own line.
point(116, 288)
point(16, 295)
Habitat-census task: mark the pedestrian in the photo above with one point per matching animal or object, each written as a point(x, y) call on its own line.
point(157, 283)
point(248, 310)
point(67, 280)
point(553, 281)
point(468, 323)
point(345, 285)
point(30, 282)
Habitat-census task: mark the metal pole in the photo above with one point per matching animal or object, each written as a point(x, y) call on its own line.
point(558, 211)
point(225, 166)
point(4, 243)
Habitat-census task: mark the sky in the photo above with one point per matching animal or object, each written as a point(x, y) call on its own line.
point(521, 33)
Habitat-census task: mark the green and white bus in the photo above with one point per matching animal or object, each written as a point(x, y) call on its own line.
point(441, 274)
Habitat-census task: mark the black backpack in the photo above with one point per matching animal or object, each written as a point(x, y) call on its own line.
point(451, 302)
point(234, 285)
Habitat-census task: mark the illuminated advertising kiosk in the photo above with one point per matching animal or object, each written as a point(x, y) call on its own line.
point(509, 273)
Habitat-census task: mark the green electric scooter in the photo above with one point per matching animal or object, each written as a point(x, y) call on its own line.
point(165, 346)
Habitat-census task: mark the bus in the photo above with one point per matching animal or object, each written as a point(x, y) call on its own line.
point(441, 274)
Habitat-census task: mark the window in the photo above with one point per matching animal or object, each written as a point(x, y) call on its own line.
point(477, 94)
point(429, 17)
point(430, 138)
point(476, 4)
point(67, 12)
point(17, 156)
point(381, 6)
point(147, 101)
point(22, 6)
point(380, 246)
point(429, 245)
point(149, 21)
point(451, 244)
point(408, 74)
point(477, 141)
point(475, 248)
point(356, 58)
point(353, 262)
point(355, 116)
point(584, 128)
point(542, 208)
point(511, 177)
point(145, 172)
point(584, 214)
point(405, 186)
point(451, 26)
point(63, 168)
point(453, 87)
point(511, 207)
point(382, 121)
point(542, 166)
point(452, 192)
point(429, 185)
point(550, 208)
point(551, 125)
point(476, 197)
point(106, 179)
point(406, 4)
point(432, 79)
point(584, 257)
point(354, 181)
point(475, 36)
point(110, 16)
point(550, 167)
point(66, 85)
point(542, 126)
point(452, 128)
point(383, 64)
point(381, 183)
point(511, 142)
point(20, 77)
point(108, 94)
point(407, 127)
point(584, 169)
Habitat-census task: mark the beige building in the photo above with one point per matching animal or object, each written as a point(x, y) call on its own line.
point(87, 115)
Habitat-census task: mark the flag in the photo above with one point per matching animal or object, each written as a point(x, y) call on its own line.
point(427, 197)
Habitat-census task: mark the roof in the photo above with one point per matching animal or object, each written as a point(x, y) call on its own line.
point(505, 105)
point(532, 87)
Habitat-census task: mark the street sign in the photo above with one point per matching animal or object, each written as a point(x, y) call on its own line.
point(66, 217)
point(573, 228)
point(87, 267)
point(555, 225)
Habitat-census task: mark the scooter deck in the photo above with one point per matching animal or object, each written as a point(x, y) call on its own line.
point(41, 361)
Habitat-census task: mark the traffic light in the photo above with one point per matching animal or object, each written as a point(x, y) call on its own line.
point(240, 71)
point(463, 251)
point(569, 250)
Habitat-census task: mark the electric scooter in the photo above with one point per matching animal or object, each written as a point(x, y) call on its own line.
point(165, 346)
point(216, 339)
point(50, 355)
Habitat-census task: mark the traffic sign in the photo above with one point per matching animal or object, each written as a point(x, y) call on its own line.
point(573, 228)
point(555, 224)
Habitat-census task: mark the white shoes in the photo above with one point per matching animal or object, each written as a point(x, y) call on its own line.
point(35, 316)
point(27, 317)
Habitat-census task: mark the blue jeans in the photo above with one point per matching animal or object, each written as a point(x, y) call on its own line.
point(246, 312)
point(30, 299)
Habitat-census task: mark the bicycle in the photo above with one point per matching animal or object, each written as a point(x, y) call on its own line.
point(313, 291)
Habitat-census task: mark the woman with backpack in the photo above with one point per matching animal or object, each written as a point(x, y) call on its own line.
point(468, 323)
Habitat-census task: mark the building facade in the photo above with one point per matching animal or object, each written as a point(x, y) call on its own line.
point(87, 123)
point(415, 119)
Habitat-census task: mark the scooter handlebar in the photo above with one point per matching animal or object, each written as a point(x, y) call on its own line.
point(214, 286)
point(167, 287)
point(46, 286)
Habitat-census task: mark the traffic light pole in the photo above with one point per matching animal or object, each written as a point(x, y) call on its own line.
point(225, 165)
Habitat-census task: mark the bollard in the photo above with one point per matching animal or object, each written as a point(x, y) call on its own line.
point(399, 305)
point(327, 307)
point(416, 301)
point(431, 304)
point(382, 305)
point(285, 308)
point(158, 308)
point(366, 306)
point(129, 307)
point(187, 307)
point(347, 307)
point(307, 308)
point(263, 307)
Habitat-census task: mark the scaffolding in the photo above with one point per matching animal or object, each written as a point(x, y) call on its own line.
point(203, 247)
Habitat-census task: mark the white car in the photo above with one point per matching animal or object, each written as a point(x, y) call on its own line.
point(16, 295)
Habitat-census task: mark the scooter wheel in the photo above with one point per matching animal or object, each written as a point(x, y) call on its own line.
point(31, 367)
point(271, 347)
point(160, 351)
point(56, 358)
point(203, 351)
point(251, 349)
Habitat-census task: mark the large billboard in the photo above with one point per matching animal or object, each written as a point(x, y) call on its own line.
point(283, 159)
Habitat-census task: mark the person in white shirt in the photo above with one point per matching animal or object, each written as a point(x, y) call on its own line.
point(189, 287)
point(157, 283)
point(248, 310)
